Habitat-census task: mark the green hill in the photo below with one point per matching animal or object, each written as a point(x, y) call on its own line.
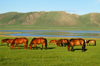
point(49, 20)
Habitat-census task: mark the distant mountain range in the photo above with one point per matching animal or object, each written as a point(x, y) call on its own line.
point(50, 19)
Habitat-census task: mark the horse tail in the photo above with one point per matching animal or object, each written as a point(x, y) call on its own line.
point(68, 46)
point(45, 43)
point(95, 43)
point(84, 45)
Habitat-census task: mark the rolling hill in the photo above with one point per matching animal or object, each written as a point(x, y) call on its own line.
point(48, 20)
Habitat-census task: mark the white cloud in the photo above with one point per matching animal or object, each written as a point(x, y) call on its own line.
point(98, 1)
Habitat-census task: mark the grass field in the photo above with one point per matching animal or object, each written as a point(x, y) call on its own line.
point(47, 28)
point(53, 56)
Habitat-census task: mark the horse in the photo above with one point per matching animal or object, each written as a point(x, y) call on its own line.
point(58, 42)
point(7, 41)
point(53, 41)
point(91, 41)
point(62, 42)
point(17, 41)
point(76, 42)
point(36, 41)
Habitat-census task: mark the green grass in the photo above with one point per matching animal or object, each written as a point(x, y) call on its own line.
point(53, 56)
point(47, 28)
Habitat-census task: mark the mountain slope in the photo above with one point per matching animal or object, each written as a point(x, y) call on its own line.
point(50, 19)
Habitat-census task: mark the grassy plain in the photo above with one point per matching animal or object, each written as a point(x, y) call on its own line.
point(30, 27)
point(53, 56)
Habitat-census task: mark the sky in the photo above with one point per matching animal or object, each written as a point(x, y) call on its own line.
point(79, 7)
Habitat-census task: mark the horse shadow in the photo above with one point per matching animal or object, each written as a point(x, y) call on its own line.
point(3, 44)
point(79, 49)
point(41, 47)
point(91, 45)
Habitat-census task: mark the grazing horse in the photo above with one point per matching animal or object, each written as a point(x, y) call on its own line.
point(36, 41)
point(76, 42)
point(7, 41)
point(58, 42)
point(17, 41)
point(53, 41)
point(91, 41)
point(62, 42)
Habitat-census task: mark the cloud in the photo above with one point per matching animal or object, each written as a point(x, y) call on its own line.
point(98, 1)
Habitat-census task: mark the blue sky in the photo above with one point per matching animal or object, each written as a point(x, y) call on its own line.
point(79, 7)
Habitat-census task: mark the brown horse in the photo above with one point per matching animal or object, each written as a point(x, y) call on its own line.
point(36, 41)
point(17, 41)
point(76, 42)
point(62, 42)
point(91, 41)
point(52, 41)
point(7, 41)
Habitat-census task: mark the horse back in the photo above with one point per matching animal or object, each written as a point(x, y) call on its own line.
point(64, 40)
point(76, 42)
point(52, 41)
point(59, 41)
point(38, 40)
point(91, 41)
point(10, 40)
point(20, 40)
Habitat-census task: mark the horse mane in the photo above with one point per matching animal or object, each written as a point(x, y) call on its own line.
point(5, 39)
point(13, 41)
point(32, 40)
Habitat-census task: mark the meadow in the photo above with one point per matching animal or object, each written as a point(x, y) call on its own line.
point(53, 56)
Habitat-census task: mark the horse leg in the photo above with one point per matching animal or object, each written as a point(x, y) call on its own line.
point(72, 49)
point(68, 46)
point(26, 45)
point(15, 46)
point(83, 48)
point(34, 46)
point(42, 46)
point(7, 44)
point(57, 44)
point(18, 46)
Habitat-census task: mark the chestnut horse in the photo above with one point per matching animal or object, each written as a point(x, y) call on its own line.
point(53, 41)
point(76, 42)
point(91, 41)
point(17, 41)
point(7, 41)
point(62, 42)
point(36, 41)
